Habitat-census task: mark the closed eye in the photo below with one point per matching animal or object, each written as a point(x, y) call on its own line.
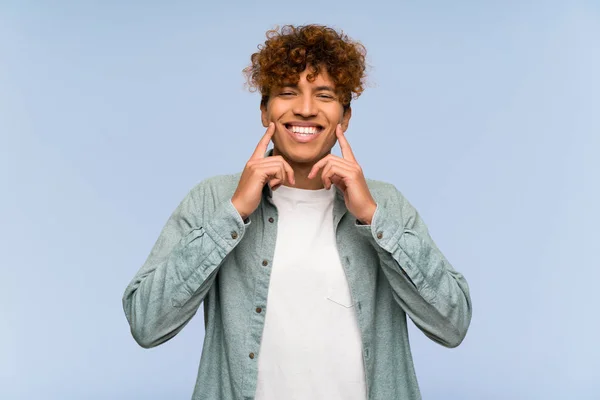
point(326, 96)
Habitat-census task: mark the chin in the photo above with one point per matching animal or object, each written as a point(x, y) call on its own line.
point(301, 153)
point(301, 156)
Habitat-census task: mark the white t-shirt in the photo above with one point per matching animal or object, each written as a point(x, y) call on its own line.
point(311, 345)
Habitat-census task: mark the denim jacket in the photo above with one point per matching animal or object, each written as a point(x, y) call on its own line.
point(207, 253)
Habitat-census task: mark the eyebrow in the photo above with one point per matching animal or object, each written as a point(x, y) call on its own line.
point(317, 89)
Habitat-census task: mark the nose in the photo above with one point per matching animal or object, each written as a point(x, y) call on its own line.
point(305, 106)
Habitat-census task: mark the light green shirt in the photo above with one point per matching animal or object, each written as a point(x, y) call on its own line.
point(207, 253)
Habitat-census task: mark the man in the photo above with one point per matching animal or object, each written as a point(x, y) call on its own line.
point(307, 270)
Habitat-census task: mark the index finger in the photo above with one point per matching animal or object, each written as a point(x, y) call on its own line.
point(347, 153)
point(262, 146)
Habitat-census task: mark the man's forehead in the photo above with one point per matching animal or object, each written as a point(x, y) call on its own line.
point(319, 81)
point(312, 85)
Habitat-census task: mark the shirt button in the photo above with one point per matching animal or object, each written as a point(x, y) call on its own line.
point(379, 235)
point(271, 220)
point(265, 263)
point(258, 310)
point(234, 235)
point(251, 356)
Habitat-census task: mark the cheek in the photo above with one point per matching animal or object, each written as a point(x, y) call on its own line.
point(337, 115)
point(330, 140)
point(275, 111)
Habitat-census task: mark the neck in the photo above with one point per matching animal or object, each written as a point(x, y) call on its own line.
point(301, 171)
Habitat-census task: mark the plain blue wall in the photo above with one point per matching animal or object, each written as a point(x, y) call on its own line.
point(486, 115)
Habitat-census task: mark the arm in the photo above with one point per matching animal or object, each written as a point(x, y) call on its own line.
point(181, 268)
point(433, 294)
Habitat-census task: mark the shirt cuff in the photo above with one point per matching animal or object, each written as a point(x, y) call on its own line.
point(226, 226)
point(385, 229)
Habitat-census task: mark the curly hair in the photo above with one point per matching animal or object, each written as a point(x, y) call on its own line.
point(288, 51)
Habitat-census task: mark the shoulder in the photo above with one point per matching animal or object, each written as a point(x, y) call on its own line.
point(218, 187)
point(390, 198)
point(384, 191)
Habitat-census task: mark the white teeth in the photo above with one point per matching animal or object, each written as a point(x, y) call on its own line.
point(302, 130)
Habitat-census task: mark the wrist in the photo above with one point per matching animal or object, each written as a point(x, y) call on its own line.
point(243, 215)
point(364, 221)
point(368, 218)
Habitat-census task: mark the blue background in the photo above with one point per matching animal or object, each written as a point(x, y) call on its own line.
point(486, 115)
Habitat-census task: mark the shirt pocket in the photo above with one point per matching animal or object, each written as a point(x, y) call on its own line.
point(339, 293)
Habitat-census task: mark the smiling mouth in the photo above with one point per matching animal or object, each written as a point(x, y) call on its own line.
point(304, 130)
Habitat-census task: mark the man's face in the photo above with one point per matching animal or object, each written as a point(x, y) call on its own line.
point(305, 117)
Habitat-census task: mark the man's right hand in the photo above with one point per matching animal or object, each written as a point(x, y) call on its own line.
point(258, 171)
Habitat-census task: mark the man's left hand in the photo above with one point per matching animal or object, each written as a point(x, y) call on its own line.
point(346, 174)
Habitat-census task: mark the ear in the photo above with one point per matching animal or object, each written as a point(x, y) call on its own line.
point(346, 118)
point(263, 116)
